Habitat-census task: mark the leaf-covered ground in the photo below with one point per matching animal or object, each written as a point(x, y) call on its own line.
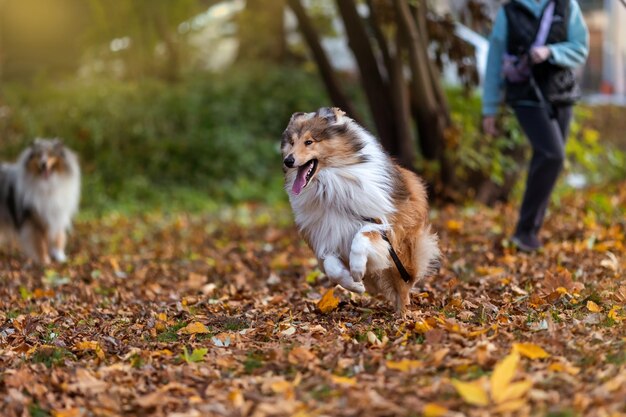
point(199, 316)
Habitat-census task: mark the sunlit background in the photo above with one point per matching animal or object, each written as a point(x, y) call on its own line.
point(180, 104)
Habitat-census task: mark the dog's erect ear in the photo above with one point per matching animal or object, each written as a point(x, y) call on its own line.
point(330, 114)
point(57, 143)
point(295, 117)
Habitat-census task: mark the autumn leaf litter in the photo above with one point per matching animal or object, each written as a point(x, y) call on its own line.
point(190, 316)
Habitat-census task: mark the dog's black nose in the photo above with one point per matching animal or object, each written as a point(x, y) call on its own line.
point(289, 161)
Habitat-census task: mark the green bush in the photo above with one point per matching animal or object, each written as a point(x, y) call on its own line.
point(212, 140)
point(209, 138)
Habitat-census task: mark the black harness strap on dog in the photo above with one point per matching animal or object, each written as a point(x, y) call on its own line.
point(396, 259)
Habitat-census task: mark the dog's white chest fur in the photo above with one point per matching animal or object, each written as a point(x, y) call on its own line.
point(338, 202)
point(55, 200)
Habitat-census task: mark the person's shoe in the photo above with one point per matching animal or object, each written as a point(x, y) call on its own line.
point(526, 242)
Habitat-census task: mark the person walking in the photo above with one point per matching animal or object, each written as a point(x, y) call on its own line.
point(533, 48)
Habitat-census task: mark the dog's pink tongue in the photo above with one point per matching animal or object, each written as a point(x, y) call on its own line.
point(300, 181)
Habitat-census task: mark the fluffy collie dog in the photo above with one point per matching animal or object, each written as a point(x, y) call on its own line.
point(39, 195)
point(364, 216)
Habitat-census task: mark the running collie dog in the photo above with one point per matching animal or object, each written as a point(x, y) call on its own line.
point(38, 197)
point(364, 216)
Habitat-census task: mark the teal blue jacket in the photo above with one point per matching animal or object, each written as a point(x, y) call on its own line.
point(571, 53)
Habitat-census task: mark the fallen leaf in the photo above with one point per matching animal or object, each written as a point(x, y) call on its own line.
point(530, 350)
point(194, 328)
point(454, 225)
point(563, 367)
point(404, 365)
point(197, 355)
point(593, 307)
point(91, 345)
point(288, 331)
point(513, 391)
point(434, 410)
point(510, 406)
point(328, 302)
point(502, 376)
point(471, 392)
point(282, 387)
point(613, 315)
point(301, 356)
point(236, 398)
point(343, 380)
point(68, 412)
point(422, 326)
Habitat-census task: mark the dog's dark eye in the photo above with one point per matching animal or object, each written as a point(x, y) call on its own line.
point(308, 142)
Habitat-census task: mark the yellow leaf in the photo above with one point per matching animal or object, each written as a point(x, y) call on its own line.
point(513, 391)
point(404, 365)
point(490, 270)
point(281, 386)
point(91, 345)
point(510, 406)
point(502, 375)
point(328, 301)
point(454, 225)
point(530, 350)
point(434, 410)
point(343, 380)
point(613, 313)
point(563, 367)
point(236, 398)
point(68, 412)
point(422, 326)
point(478, 332)
point(194, 328)
point(593, 307)
point(471, 392)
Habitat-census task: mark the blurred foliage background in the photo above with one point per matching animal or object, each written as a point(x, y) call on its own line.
point(179, 105)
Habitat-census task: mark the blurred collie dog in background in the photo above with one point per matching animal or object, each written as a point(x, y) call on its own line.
point(39, 195)
point(364, 216)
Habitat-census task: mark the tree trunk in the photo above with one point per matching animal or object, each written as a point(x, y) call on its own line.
point(335, 92)
point(433, 72)
point(376, 88)
point(262, 31)
point(401, 108)
point(432, 117)
point(392, 57)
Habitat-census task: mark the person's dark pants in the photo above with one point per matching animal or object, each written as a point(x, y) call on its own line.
point(547, 137)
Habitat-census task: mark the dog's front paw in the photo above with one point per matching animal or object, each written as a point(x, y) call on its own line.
point(357, 272)
point(58, 256)
point(354, 286)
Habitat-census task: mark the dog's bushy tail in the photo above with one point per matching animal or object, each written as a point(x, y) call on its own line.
point(427, 253)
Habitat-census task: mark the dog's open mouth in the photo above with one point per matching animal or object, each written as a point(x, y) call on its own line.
point(305, 173)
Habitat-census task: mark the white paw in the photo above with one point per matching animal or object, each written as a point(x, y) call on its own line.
point(357, 271)
point(356, 287)
point(58, 255)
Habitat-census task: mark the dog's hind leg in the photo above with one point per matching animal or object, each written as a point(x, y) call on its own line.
point(368, 248)
point(337, 273)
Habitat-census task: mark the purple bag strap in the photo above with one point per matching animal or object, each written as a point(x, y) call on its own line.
point(544, 25)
